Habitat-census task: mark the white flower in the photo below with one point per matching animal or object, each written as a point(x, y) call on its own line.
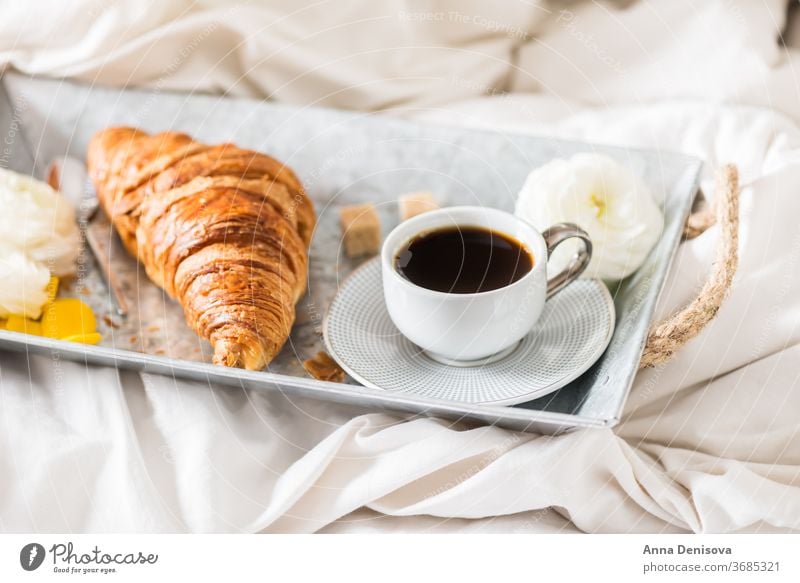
point(38, 235)
point(23, 284)
point(39, 222)
point(604, 198)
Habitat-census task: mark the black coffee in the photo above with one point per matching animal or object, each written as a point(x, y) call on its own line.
point(463, 260)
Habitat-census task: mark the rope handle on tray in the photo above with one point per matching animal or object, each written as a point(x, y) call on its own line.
point(667, 337)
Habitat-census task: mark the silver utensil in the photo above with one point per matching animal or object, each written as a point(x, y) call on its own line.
point(68, 175)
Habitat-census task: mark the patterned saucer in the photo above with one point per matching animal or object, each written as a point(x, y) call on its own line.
point(572, 333)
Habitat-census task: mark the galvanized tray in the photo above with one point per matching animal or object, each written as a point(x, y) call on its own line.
point(342, 158)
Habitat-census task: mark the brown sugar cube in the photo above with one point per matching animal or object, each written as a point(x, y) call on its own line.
point(323, 368)
point(361, 229)
point(416, 203)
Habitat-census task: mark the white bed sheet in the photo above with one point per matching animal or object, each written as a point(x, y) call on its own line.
point(709, 442)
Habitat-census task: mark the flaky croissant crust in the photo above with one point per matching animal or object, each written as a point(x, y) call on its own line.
point(223, 230)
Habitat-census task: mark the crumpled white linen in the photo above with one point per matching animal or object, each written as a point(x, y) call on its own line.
point(709, 442)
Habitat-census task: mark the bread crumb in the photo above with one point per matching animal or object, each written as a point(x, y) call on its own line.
point(323, 368)
point(416, 203)
point(110, 321)
point(361, 229)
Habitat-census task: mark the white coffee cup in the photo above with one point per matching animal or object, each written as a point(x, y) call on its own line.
point(467, 329)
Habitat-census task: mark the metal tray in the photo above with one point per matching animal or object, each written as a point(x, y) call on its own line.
point(342, 158)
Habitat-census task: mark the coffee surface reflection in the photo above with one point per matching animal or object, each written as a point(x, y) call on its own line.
point(463, 260)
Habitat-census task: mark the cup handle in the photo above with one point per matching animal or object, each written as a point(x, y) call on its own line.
point(553, 237)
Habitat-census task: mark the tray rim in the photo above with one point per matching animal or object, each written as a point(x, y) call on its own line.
point(233, 377)
point(386, 116)
point(518, 418)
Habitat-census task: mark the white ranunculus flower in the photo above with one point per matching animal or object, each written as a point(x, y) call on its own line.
point(39, 222)
point(603, 197)
point(38, 236)
point(23, 284)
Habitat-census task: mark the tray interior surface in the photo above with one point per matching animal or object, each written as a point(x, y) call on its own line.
point(342, 158)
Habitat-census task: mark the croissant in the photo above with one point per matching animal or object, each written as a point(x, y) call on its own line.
point(223, 230)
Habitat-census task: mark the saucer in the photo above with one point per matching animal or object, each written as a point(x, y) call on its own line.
point(571, 334)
